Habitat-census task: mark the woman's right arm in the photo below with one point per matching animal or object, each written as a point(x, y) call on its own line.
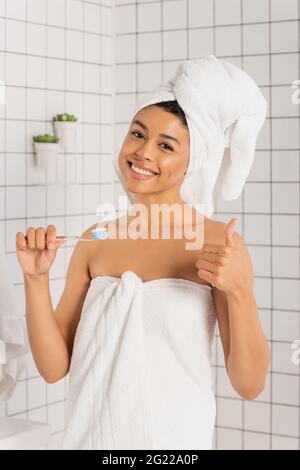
point(51, 333)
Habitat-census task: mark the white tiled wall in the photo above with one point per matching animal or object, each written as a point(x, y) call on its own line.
point(57, 55)
point(261, 36)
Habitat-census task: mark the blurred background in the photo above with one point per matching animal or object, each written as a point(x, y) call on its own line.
point(95, 59)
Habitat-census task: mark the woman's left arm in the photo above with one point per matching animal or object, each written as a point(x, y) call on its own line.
point(229, 269)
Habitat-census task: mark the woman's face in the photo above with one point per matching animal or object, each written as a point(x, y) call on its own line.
point(166, 158)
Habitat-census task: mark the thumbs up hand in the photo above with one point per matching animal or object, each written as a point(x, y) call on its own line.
point(227, 267)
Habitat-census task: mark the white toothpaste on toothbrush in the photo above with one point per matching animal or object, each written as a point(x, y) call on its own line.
point(99, 233)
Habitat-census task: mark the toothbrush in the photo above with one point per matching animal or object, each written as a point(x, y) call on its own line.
point(72, 237)
point(99, 233)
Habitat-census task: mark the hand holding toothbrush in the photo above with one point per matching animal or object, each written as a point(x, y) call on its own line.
point(36, 251)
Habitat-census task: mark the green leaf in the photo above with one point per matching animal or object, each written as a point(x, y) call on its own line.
point(65, 117)
point(46, 138)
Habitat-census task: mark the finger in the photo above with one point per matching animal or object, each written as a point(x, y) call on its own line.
point(207, 265)
point(31, 238)
point(207, 255)
point(59, 242)
point(212, 248)
point(40, 238)
point(229, 233)
point(206, 275)
point(51, 237)
point(21, 243)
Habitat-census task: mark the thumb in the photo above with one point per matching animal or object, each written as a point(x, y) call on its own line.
point(229, 232)
point(57, 244)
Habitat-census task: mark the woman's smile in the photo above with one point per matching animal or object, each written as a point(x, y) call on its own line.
point(139, 173)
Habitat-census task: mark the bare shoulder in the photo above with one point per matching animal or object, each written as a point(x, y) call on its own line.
point(216, 233)
point(82, 253)
point(95, 251)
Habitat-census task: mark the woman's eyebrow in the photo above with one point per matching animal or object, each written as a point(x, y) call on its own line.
point(136, 121)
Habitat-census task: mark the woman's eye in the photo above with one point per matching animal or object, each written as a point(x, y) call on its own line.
point(169, 148)
point(136, 132)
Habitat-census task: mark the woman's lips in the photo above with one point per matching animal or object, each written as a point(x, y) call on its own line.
point(139, 176)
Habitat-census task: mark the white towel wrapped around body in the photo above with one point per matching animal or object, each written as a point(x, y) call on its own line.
point(140, 374)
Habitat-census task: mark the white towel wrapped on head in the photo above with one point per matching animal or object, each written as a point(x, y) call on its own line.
point(225, 111)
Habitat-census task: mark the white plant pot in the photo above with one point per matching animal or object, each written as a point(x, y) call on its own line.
point(46, 153)
point(66, 131)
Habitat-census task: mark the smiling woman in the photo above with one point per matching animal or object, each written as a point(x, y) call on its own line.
point(154, 155)
point(135, 325)
point(153, 304)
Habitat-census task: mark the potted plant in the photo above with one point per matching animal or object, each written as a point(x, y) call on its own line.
point(65, 126)
point(46, 147)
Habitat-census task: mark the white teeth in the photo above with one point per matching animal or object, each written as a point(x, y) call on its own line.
point(142, 172)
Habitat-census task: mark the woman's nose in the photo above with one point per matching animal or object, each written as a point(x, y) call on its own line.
point(142, 154)
point(144, 149)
